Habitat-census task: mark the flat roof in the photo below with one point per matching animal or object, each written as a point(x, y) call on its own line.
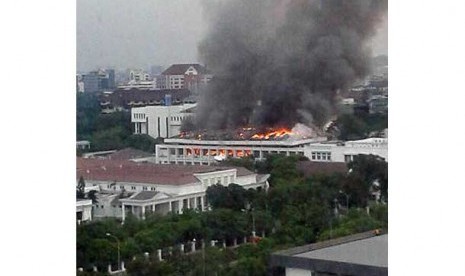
point(371, 251)
point(289, 142)
point(362, 254)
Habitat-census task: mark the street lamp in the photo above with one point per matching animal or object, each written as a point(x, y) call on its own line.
point(347, 199)
point(117, 242)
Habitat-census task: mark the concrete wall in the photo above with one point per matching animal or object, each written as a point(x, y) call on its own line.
point(160, 121)
point(344, 152)
point(84, 206)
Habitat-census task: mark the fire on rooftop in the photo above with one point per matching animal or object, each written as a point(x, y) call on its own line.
point(299, 131)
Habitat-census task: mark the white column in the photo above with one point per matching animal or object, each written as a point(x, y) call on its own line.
point(123, 214)
point(170, 207)
point(202, 203)
point(153, 208)
point(261, 154)
point(143, 211)
point(195, 203)
point(181, 205)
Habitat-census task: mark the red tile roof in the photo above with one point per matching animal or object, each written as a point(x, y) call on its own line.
point(127, 171)
point(128, 154)
point(310, 168)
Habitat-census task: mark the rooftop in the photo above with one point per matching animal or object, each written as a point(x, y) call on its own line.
point(310, 168)
point(128, 154)
point(121, 97)
point(371, 251)
point(180, 69)
point(359, 254)
point(127, 171)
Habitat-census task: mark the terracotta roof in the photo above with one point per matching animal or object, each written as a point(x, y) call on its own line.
point(128, 154)
point(180, 69)
point(310, 168)
point(127, 171)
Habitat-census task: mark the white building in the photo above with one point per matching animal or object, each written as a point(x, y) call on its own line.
point(140, 188)
point(206, 152)
point(84, 210)
point(345, 151)
point(160, 121)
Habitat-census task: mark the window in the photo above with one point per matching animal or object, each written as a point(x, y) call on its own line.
point(318, 156)
point(152, 188)
point(121, 187)
point(133, 187)
point(347, 158)
point(144, 188)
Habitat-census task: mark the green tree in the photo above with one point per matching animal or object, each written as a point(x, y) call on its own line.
point(142, 142)
point(351, 127)
point(80, 192)
point(233, 197)
point(87, 110)
point(364, 171)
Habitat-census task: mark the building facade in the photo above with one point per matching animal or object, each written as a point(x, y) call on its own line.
point(83, 210)
point(138, 188)
point(160, 121)
point(205, 152)
point(98, 81)
point(189, 76)
point(345, 151)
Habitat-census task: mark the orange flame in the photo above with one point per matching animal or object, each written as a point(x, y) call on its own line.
point(277, 133)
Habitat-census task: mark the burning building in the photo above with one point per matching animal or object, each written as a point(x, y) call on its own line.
point(208, 147)
point(273, 75)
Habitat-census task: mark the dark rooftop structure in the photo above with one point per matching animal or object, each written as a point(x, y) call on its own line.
point(142, 97)
point(359, 254)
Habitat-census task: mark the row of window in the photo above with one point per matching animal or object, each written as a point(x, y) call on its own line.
point(133, 188)
point(139, 116)
point(218, 180)
point(324, 155)
point(177, 118)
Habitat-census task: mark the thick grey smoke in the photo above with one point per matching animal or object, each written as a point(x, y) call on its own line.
point(280, 62)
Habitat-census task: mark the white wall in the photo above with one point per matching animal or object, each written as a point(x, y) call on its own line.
point(84, 206)
point(338, 152)
point(157, 118)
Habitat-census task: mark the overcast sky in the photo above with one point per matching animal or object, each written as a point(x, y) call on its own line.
point(140, 33)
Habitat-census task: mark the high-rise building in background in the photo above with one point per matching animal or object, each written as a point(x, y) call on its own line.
point(98, 81)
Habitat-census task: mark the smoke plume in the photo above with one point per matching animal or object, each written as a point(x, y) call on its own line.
point(281, 62)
